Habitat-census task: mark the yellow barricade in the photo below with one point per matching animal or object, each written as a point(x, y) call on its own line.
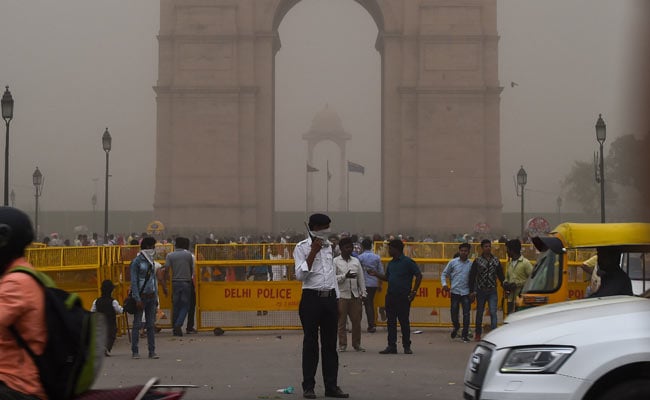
point(226, 299)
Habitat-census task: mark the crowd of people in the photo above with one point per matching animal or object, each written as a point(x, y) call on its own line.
point(340, 276)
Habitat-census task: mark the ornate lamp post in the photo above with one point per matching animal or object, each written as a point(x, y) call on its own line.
point(601, 135)
point(522, 179)
point(7, 115)
point(106, 145)
point(37, 180)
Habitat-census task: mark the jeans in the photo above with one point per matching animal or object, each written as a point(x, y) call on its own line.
point(181, 293)
point(483, 295)
point(398, 307)
point(369, 305)
point(149, 311)
point(192, 310)
point(456, 301)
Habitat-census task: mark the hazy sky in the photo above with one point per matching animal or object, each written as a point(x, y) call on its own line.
point(76, 67)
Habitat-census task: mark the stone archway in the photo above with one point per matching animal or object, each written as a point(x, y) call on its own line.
point(440, 114)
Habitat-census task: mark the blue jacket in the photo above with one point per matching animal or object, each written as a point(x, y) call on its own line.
point(140, 266)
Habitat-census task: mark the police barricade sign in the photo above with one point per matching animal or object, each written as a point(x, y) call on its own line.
point(250, 295)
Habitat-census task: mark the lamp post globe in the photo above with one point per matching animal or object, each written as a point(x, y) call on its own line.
point(106, 145)
point(7, 114)
point(37, 180)
point(601, 135)
point(601, 129)
point(522, 179)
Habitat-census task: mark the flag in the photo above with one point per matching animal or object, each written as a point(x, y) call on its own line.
point(354, 167)
point(311, 169)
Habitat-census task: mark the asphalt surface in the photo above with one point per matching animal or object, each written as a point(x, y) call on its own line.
point(254, 364)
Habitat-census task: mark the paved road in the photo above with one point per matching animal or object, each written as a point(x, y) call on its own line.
point(252, 365)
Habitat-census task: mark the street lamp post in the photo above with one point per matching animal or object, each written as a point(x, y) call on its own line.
point(522, 179)
point(559, 209)
point(37, 180)
point(7, 115)
point(601, 135)
point(12, 196)
point(106, 145)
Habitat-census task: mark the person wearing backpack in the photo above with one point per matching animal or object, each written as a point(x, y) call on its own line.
point(110, 307)
point(51, 347)
point(22, 305)
point(144, 289)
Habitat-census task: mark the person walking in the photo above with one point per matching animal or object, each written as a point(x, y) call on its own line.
point(486, 268)
point(352, 290)
point(400, 273)
point(180, 264)
point(458, 271)
point(143, 280)
point(370, 261)
point(107, 305)
point(318, 308)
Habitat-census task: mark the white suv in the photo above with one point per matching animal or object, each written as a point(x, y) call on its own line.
point(591, 349)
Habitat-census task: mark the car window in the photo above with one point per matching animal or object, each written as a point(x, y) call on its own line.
point(636, 265)
point(546, 274)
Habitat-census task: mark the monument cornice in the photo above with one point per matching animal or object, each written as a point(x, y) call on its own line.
point(481, 206)
point(177, 206)
point(220, 37)
point(441, 38)
point(483, 90)
point(243, 90)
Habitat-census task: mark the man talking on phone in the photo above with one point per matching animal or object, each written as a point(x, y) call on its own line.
point(318, 308)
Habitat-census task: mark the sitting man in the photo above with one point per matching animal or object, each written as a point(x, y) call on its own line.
point(613, 280)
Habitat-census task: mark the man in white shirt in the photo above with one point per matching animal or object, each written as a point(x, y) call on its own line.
point(318, 307)
point(352, 289)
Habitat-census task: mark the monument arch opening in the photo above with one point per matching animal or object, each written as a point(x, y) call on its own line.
point(328, 110)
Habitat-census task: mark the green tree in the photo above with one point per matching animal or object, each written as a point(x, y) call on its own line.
point(625, 163)
point(580, 186)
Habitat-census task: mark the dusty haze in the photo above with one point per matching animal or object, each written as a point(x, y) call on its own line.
point(76, 67)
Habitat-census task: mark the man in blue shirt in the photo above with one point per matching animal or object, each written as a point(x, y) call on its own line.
point(370, 261)
point(399, 273)
point(458, 271)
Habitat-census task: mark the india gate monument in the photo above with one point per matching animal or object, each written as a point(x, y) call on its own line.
point(439, 114)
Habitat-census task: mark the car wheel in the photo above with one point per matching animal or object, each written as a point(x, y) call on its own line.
point(630, 390)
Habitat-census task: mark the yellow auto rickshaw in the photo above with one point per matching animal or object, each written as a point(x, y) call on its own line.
point(557, 275)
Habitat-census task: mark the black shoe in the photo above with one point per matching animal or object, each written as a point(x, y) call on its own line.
point(372, 329)
point(407, 350)
point(454, 333)
point(336, 392)
point(178, 331)
point(309, 394)
point(389, 350)
point(465, 339)
point(191, 331)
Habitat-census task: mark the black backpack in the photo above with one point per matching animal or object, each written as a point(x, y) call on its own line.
point(75, 341)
